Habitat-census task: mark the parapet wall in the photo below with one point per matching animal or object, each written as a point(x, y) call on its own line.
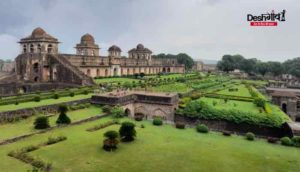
point(27, 112)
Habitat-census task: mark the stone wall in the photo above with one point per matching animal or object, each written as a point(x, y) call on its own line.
point(242, 128)
point(26, 112)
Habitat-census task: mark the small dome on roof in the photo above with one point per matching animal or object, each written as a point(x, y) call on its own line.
point(114, 48)
point(87, 39)
point(140, 46)
point(38, 32)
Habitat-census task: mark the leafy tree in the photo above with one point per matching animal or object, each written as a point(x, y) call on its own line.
point(181, 58)
point(41, 122)
point(117, 112)
point(226, 64)
point(248, 65)
point(275, 68)
point(127, 131)
point(63, 118)
point(262, 68)
point(111, 142)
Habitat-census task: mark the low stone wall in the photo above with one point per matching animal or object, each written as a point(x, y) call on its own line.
point(241, 129)
point(24, 113)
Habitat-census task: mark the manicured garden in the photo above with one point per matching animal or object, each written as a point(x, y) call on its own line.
point(156, 148)
point(25, 126)
point(50, 101)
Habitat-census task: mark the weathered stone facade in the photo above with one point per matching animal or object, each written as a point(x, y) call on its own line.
point(145, 104)
point(288, 99)
point(41, 62)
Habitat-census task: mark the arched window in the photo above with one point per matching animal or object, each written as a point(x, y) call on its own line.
point(39, 48)
point(49, 49)
point(93, 53)
point(31, 48)
point(24, 49)
point(88, 72)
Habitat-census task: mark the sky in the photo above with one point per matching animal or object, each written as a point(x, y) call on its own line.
point(204, 29)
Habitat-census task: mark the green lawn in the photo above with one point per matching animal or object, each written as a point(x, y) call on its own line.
point(242, 91)
point(114, 80)
point(175, 87)
point(25, 126)
point(161, 148)
point(42, 102)
point(231, 104)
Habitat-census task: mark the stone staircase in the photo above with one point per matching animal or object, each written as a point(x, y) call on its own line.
point(86, 80)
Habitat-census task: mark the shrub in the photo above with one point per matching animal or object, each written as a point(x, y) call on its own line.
point(111, 142)
point(72, 94)
point(106, 109)
point(214, 103)
point(226, 133)
point(63, 118)
point(37, 98)
point(142, 126)
point(157, 121)
point(286, 141)
point(296, 141)
point(52, 140)
point(202, 128)
point(16, 103)
point(117, 112)
point(180, 125)
point(55, 96)
point(250, 136)
point(127, 131)
point(41, 122)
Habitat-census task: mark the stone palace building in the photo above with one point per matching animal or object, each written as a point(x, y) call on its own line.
point(41, 62)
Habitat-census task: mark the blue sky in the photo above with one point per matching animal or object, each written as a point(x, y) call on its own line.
point(205, 29)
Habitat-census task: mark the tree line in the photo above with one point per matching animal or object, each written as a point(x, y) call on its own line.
point(182, 58)
point(255, 66)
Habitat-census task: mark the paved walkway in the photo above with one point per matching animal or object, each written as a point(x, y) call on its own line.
point(295, 126)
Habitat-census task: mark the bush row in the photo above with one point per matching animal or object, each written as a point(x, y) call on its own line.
point(23, 156)
point(199, 109)
point(101, 126)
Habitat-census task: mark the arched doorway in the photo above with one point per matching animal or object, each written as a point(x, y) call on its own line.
point(36, 67)
point(168, 70)
point(158, 113)
point(88, 72)
point(283, 107)
point(127, 112)
point(115, 71)
point(297, 119)
point(98, 72)
point(164, 70)
point(36, 79)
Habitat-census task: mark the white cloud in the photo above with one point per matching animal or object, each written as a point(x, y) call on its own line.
point(204, 29)
point(9, 47)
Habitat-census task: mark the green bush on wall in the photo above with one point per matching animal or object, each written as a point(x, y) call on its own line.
point(157, 121)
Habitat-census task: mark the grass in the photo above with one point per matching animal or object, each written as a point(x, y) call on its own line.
point(42, 102)
point(162, 148)
point(25, 126)
point(114, 80)
point(231, 104)
point(176, 88)
point(242, 91)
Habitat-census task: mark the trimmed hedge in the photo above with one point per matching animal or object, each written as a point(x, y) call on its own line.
point(250, 136)
point(201, 110)
point(201, 128)
point(157, 121)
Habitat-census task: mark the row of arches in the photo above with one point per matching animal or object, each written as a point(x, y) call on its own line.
point(142, 112)
point(104, 72)
point(32, 48)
